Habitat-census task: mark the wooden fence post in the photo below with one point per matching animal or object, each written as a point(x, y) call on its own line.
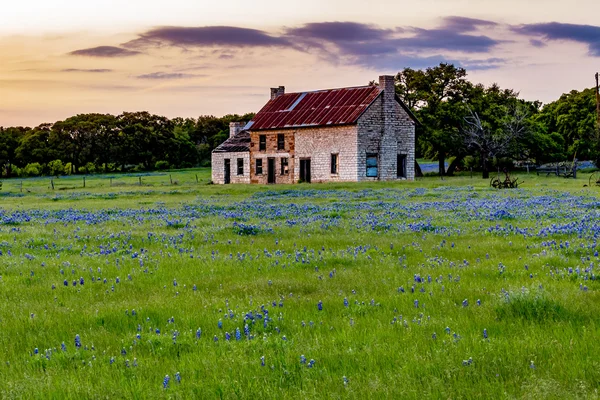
point(140, 179)
point(84, 181)
point(21, 186)
point(196, 178)
point(171, 179)
point(52, 183)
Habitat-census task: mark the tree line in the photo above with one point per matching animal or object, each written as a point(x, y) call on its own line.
point(132, 141)
point(479, 127)
point(463, 125)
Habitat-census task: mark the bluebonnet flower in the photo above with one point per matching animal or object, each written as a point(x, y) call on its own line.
point(532, 365)
point(346, 302)
point(63, 346)
point(284, 338)
point(220, 324)
point(311, 363)
point(247, 331)
point(35, 351)
point(117, 280)
point(81, 281)
point(227, 336)
point(178, 377)
point(238, 334)
point(194, 288)
point(434, 336)
point(485, 334)
point(447, 330)
point(465, 303)
point(157, 331)
point(112, 360)
point(166, 382)
point(123, 351)
point(66, 283)
point(174, 282)
point(345, 380)
point(215, 339)
point(77, 341)
point(302, 359)
point(262, 361)
point(135, 364)
point(478, 302)
point(320, 305)
point(127, 363)
point(416, 303)
point(138, 336)
point(198, 333)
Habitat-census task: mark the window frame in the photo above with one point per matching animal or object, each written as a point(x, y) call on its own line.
point(240, 166)
point(262, 142)
point(280, 141)
point(376, 166)
point(259, 166)
point(335, 164)
point(285, 168)
point(401, 165)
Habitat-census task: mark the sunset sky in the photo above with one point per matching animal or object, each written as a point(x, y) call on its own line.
point(194, 57)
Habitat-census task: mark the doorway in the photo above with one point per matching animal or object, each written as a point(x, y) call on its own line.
point(305, 170)
point(227, 171)
point(271, 170)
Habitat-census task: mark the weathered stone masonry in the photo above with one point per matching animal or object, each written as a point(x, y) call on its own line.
point(317, 125)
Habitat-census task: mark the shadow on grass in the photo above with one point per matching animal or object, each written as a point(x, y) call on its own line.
point(537, 309)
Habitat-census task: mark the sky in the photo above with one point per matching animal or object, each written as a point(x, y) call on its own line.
point(186, 58)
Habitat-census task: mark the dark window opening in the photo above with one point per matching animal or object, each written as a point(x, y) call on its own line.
point(262, 142)
point(280, 141)
point(334, 163)
point(401, 166)
point(284, 166)
point(240, 169)
point(259, 170)
point(372, 165)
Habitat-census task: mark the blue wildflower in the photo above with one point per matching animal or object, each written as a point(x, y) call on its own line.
point(320, 305)
point(346, 302)
point(77, 341)
point(302, 359)
point(178, 377)
point(227, 336)
point(262, 361)
point(198, 333)
point(166, 382)
point(238, 334)
point(485, 334)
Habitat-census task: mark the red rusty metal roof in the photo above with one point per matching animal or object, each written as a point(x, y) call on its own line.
point(318, 108)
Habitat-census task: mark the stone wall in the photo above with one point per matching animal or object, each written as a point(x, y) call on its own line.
point(218, 167)
point(319, 144)
point(387, 132)
point(272, 152)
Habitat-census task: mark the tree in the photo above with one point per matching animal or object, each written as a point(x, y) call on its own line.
point(482, 137)
point(437, 97)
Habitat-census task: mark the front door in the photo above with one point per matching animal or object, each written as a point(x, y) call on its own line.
point(227, 171)
point(271, 171)
point(305, 170)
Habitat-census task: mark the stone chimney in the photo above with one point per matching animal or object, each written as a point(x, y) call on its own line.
point(276, 92)
point(235, 128)
point(389, 143)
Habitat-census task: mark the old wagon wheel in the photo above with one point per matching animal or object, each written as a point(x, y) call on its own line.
point(495, 182)
point(594, 179)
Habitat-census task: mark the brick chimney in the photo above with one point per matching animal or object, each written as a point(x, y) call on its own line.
point(276, 92)
point(235, 128)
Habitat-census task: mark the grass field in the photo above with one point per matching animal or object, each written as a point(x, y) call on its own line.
point(426, 289)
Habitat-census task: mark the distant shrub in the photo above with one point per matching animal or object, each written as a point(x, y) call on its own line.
point(161, 165)
point(33, 169)
point(56, 167)
point(67, 168)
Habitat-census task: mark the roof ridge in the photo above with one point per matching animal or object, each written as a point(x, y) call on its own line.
point(328, 90)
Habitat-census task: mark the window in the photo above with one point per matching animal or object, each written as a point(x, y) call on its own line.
point(401, 166)
point(259, 166)
point(334, 163)
point(280, 141)
point(262, 142)
point(240, 170)
point(284, 166)
point(372, 165)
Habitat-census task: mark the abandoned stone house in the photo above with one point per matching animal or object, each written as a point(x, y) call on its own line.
point(349, 134)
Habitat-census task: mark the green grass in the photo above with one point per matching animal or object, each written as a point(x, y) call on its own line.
point(248, 246)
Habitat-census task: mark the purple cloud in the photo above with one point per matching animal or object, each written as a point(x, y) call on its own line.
point(105, 51)
point(94, 70)
point(586, 34)
point(166, 76)
point(205, 36)
point(464, 24)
